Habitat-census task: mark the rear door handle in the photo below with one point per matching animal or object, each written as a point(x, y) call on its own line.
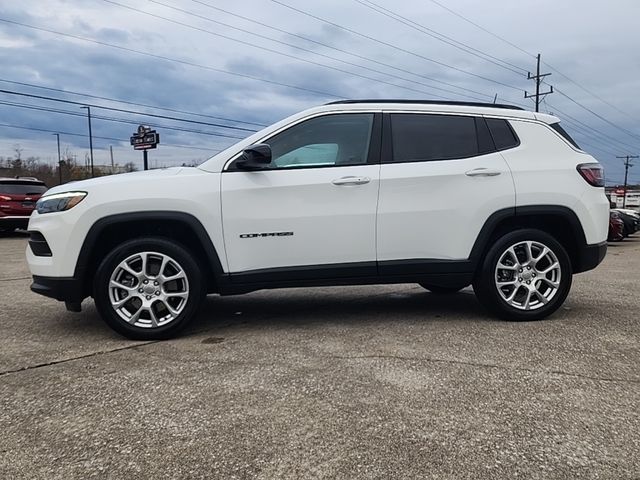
point(482, 172)
point(351, 181)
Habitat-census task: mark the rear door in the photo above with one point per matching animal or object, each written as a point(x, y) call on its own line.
point(312, 212)
point(441, 178)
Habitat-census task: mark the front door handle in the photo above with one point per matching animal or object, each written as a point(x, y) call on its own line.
point(482, 172)
point(351, 181)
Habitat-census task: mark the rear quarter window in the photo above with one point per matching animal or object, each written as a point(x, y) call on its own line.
point(503, 135)
point(565, 135)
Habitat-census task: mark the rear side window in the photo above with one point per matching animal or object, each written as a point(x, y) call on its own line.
point(18, 188)
point(502, 133)
point(565, 135)
point(420, 137)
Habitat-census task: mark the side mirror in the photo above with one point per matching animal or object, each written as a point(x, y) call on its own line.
point(255, 157)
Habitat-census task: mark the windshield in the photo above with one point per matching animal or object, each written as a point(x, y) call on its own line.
point(27, 188)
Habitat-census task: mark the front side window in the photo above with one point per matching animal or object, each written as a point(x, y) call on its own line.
point(423, 137)
point(330, 140)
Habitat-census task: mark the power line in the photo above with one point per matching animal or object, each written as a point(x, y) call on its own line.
point(628, 132)
point(122, 110)
point(589, 91)
point(354, 32)
point(441, 37)
point(114, 119)
point(88, 95)
point(287, 55)
point(530, 54)
point(482, 28)
point(362, 57)
point(593, 130)
point(21, 127)
point(173, 60)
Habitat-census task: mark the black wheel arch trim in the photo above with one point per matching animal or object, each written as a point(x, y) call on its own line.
point(100, 225)
point(586, 257)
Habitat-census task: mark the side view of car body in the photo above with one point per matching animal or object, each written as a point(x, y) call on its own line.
point(348, 193)
point(18, 197)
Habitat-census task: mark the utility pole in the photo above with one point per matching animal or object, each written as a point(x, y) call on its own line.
point(627, 166)
point(59, 159)
point(538, 79)
point(90, 137)
point(111, 153)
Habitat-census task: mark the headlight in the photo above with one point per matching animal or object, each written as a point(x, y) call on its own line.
point(59, 202)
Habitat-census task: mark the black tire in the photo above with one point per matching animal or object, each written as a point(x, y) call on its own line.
point(441, 290)
point(194, 285)
point(485, 281)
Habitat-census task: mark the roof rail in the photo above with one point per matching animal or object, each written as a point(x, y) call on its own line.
point(427, 102)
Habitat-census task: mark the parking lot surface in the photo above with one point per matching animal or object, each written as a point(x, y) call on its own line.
point(359, 382)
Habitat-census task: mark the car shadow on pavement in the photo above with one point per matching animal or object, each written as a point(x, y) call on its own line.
point(302, 307)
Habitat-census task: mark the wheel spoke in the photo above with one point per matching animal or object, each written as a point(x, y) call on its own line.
point(541, 297)
point(527, 300)
point(553, 266)
point(142, 304)
point(541, 286)
point(551, 283)
point(116, 284)
point(127, 268)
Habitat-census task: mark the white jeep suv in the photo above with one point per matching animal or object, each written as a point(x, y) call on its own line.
point(444, 194)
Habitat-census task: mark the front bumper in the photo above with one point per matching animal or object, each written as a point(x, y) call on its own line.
point(69, 290)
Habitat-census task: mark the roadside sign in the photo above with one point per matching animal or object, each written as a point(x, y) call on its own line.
point(145, 138)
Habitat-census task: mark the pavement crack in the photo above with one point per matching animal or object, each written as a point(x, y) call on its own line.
point(490, 365)
point(79, 357)
point(16, 278)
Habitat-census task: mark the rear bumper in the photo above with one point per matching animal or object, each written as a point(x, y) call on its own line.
point(63, 289)
point(14, 221)
point(590, 257)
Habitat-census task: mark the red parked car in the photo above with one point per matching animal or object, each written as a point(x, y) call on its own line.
point(616, 227)
point(18, 197)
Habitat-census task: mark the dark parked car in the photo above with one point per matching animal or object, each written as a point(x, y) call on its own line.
point(616, 226)
point(631, 221)
point(18, 197)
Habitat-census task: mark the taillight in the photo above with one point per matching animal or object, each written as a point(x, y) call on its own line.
point(593, 173)
point(5, 198)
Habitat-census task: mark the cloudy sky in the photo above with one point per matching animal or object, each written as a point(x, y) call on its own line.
point(233, 66)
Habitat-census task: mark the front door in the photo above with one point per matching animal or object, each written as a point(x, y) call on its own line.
point(312, 211)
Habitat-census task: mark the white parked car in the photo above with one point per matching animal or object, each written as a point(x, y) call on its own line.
point(354, 192)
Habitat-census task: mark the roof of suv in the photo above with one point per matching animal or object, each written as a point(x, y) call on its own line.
point(20, 180)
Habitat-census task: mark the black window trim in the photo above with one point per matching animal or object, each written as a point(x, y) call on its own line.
point(387, 137)
point(373, 157)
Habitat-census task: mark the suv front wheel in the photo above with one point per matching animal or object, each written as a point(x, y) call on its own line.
point(526, 275)
point(148, 288)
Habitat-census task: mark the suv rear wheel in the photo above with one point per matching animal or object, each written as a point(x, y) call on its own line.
point(526, 275)
point(148, 288)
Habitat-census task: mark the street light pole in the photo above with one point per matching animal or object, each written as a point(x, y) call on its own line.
point(59, 160)
point(90, 137)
